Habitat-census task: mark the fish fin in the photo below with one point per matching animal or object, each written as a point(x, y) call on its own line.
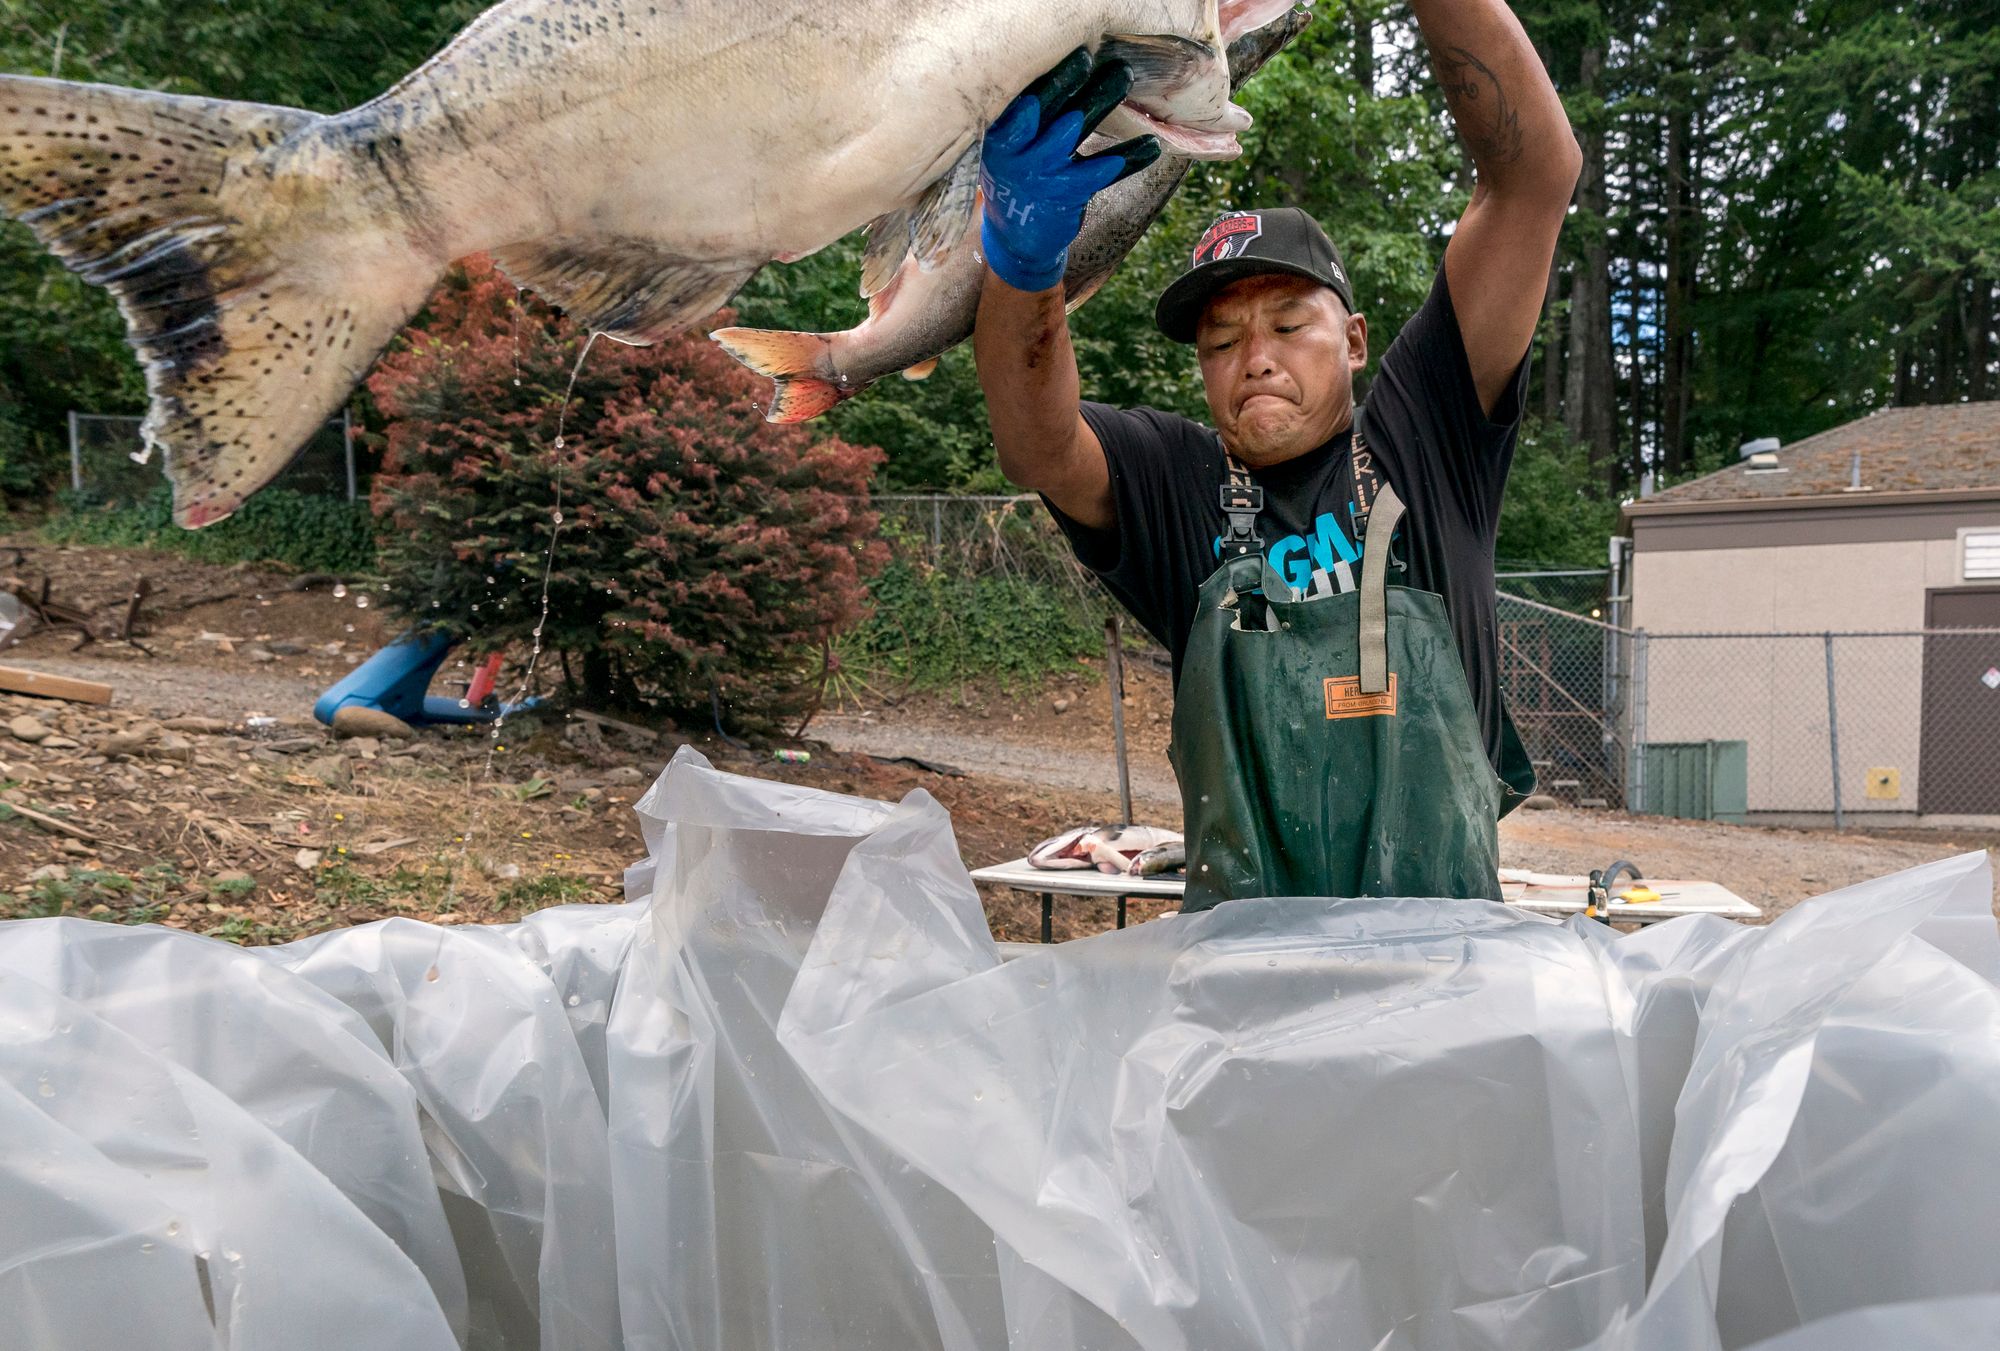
point(1160, 62)
point(799, 366)
point(923, 370)
point(888, 245)
point(944, 212)
point(1237, 17)
point(624, 288)
point(246, 351)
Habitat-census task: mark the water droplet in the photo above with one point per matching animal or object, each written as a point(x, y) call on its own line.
point(560, 443)
point(517, 383)
point(431, 974)
point(339, 591)
point(465, 703)
point(1270, 961)
point(45, 1088)
point(147, 1247)
point(350, 628)
point(978, 1094)
point(489, 581)
point(575, 999)
point(173, 1228)
point(361, 602)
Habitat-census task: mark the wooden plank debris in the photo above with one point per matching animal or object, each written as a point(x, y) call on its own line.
point(17, 680)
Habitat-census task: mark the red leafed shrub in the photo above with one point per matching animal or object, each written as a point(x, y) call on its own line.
point(683, 542)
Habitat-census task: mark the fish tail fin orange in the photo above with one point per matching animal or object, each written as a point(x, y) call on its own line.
point(799, 366)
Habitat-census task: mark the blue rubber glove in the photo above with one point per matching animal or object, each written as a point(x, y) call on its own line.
point(1035, 185)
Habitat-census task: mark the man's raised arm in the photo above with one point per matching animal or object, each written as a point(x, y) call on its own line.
point(1527, 159)
point(1035, 190)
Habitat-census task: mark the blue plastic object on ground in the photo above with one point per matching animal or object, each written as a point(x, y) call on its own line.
point(395, 679)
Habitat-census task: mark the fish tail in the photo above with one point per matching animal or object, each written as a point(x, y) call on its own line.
point(183, 208)
point(799, 366)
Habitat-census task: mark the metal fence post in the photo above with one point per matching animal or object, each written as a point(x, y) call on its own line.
point(1833, 734)
point(1635, 755)
point(1115, 669)
point(75, 456)
point(347, 446)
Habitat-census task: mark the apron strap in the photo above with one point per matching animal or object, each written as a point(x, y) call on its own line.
point(1388, 510)
point(1242, 501)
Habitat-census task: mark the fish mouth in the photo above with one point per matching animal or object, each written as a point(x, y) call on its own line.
point(1128, 119)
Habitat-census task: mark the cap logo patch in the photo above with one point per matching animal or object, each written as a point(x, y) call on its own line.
point(1228, 237)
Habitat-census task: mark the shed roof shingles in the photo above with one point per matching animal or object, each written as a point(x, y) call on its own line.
point(1947, 446)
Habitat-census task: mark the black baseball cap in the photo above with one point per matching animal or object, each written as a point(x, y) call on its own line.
point(1247, 244)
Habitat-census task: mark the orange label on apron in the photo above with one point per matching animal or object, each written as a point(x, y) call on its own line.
point(1344, 699)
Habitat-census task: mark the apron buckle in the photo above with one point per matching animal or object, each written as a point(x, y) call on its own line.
point(1241, 503)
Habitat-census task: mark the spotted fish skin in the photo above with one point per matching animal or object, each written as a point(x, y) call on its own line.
point(634, 161)
point(923, 313)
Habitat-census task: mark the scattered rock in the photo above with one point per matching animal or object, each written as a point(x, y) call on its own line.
point(61, 743)
point(257, 652)
point(25, 728)
point(124, 743)
point(1541, 802)
point(332, 770)
point(353, 721)
point(233, 875)
point(627, 774)
point(308, 859)
point(286, 648)
point(1060, 705)
point(172, 747)
point(199, 726)
point(74, 848)
point(49, 872)
point(367, 747)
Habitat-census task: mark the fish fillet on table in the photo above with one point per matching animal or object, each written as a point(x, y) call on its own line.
point(632, 162)
point(923, 313)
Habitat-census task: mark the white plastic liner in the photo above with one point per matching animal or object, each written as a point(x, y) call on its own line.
point(793, 1096)
point(513, 1123)
point(1278, 1123)
point(139, 1206)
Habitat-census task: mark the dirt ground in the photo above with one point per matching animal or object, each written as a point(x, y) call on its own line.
point(170, 806)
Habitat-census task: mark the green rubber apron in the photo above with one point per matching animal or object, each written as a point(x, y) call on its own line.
point(1326, 743)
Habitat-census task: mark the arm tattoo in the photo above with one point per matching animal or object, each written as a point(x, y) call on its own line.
point(1490, 125)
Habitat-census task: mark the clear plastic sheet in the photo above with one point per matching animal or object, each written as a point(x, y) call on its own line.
point(300, 1063)
point(1278, 1123)
point(792, 1095)
point(512, 1120)
point(139, 1206)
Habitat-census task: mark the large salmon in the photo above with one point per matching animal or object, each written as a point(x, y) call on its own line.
point(633, 161)
point(921, 314)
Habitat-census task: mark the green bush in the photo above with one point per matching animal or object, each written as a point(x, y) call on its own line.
point(929, 627)
point(318, 534)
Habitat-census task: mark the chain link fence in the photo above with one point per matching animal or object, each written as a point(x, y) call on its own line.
point(107, 461)
point(1784, 728)
point(1850, 728)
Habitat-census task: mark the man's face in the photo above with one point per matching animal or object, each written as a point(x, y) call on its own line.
point(1278, 356)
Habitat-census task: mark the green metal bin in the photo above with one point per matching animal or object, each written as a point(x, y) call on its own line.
point(1697, 780)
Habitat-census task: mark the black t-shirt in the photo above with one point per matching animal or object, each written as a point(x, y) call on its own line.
point(1431, 440)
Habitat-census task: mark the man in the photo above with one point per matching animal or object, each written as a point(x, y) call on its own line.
point(1323, 575)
